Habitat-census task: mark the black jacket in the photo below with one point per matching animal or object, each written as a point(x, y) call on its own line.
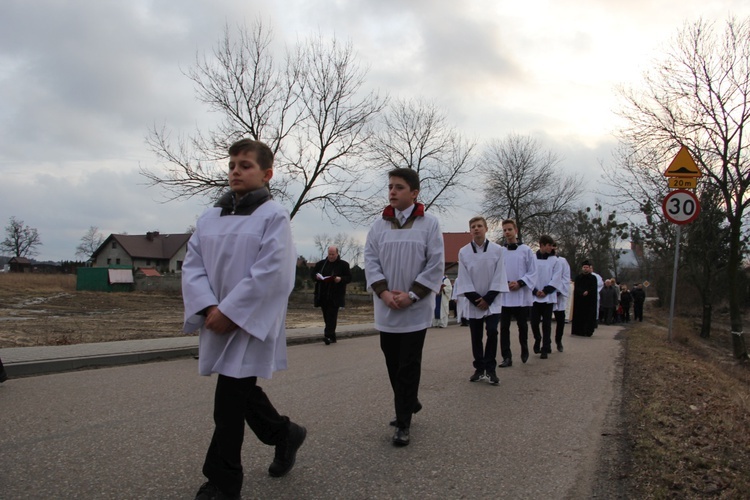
point(330, 292)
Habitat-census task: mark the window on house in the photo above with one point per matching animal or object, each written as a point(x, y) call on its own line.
point(109, 261)
point(148, 262)
point(179, 265)
point(114, 244)
point(117, 261)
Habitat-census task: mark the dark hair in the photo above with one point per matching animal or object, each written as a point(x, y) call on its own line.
point(409, 175)
point(546, 239)
point(263, 153)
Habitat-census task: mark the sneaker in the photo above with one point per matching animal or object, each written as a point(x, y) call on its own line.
point(492, 378)
point(209, 491)
point(478, 374)
point(286, 452)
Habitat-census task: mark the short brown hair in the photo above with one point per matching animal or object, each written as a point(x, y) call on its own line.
point(409, 175)
point(510, 221)
point(263, 153)
point(546, 239)
point(477, 218)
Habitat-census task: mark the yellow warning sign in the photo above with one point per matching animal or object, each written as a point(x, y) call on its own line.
point(683, 165)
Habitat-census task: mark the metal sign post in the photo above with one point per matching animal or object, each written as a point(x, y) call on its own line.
point(680, 207)
point(674, 280)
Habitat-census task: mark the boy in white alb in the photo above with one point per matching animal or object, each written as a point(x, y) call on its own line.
point(404, 268)
point(236, 280)
point(520, 268)
point(563, 297)
point(548, 281)
point(481, 278)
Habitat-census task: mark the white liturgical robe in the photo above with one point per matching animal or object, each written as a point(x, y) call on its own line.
point(481, 272)
point(563, 293)
point(520, 264)
point(401, 257)
point(548, 273)
point(245, 264)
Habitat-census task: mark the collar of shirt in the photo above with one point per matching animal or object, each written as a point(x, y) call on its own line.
point(406, 213)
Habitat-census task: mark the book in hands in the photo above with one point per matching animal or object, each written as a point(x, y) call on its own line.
point(320, 277)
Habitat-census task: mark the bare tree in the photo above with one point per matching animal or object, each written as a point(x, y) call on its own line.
point(698, 96)
point(521, 182)
point(415, 134)
point(89, 242)
point(349, 248)
point(310, 108)
point(20, 239)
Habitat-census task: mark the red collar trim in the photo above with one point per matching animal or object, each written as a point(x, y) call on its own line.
point(390, 212)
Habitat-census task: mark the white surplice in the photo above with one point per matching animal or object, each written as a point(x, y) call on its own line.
point(245, 264)
point(520, 264)
point(563, 293)
point(480, 272)
point(401, 257)
point(548, 273)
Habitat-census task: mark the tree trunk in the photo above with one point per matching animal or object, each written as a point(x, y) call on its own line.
point(735, 314)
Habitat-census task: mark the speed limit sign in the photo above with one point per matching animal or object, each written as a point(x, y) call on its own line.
point(681, 206)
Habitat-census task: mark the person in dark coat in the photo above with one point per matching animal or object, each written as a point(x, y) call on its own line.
point(625, 300)
point(608, 301)
point(331, 276)
point(584, 302)
point(639, 297)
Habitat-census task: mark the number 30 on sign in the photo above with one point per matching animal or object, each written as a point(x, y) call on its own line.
point(681, 207)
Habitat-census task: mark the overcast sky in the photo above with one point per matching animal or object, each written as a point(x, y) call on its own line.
point(82, 81)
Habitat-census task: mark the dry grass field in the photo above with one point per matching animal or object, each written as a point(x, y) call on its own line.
point(46, 309)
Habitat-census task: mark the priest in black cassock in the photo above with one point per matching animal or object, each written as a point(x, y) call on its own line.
point(584, 302)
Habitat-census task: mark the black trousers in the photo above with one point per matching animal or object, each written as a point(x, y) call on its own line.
point(637, 311)
point(403, 359)
point(485, 356)
point(559, 325)
point(236, 401)
point(542, 311)
point(507, 314)
point(330, 316)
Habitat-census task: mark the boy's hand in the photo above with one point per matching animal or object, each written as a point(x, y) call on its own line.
point(395, 299)
point(482, 304)
point(217, 322)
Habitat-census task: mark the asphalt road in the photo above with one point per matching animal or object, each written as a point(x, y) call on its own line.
point(140, 431)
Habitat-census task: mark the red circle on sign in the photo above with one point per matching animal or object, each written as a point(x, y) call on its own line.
point(681, 206)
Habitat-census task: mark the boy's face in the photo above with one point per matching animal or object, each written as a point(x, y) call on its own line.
point(478, 229)
point(509, 233)
point(547, 248)
point(245, 174)
point(400, 195)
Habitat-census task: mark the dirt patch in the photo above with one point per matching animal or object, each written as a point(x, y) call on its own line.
point(687, 413)
point(47, 310)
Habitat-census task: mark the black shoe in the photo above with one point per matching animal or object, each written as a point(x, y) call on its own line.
point(333, 340)
point(417, 407)
point(492, 378)
point(477, 375)
point(507, 363)
point(524, 356)
point(559, 347)
point(286, 452)
point(327, 340)
point(537, 350)
point(401, 437)
point(543, 356)
point(209, 491)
